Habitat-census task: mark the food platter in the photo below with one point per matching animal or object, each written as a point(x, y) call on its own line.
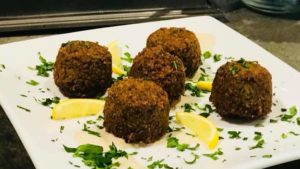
point(44, 138)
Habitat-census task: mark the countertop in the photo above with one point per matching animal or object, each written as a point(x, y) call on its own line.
point(278, 35)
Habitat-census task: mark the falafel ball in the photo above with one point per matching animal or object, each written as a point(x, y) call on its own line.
point(136, 110)
point(161, 67)
point(242, 89)
point(83, 69)
point(179, 42)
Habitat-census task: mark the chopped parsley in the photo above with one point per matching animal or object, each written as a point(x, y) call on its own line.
point(234, 134)
point(273, 121)
point(61, 129)
point(127, 57)
point(233, 70)
point(207, 55)
point(2, 67)
point(244, 63)
point(238, 148)
point(23, 95)
point(298, 120)
point(32, 82)
point(215, 155)
point(203, 77)
point(23, 108)
point(187, 107)
point(288, 116)
point(259, 144)
point(257, 136)
point(283, 109)
point(217, 57)
point(49, 102)
point(159, 164)
point(44, 67)
point(93, 156)
point(87, 129)
point(293, 133)
point(196, 157)
point(283, 136)
point(267, 156)
point(173, 142)
point(127, 69)
point(193, 89)
point(174, 63)
point(220, 129)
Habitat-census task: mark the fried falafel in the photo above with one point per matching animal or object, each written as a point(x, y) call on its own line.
point(136, 110)
point(161, 67)
point(242, 89)
point(83, 69)
point(179, 42)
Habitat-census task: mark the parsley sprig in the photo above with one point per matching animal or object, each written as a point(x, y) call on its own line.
point(43, 68)
point(94, 156)
point(173, 142)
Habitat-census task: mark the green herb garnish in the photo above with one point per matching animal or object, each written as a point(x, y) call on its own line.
point(217, 57)
point(87, 129)
point(238, 148)
point(288, 116)
point(48, 101)
point(23, 108)
point(94, 156)
point(233, 70)
point(207, 55)
point(61, 129)
point(293, 133)
point(194, 90)
point(187, 107)
point(203, 77)
point(215, 155)
point(283, 136)
point(2, 67)
point(32, 82)
point(159, 164)
point(173, 142)
point(44, 67)
point(174, 65)
point(196, 157)
point(259, 144)
point(273, 121)
point(298, 120)
point(244, 63)
point(234, 134)
point(127, 69)
point(257, 136)
point(127, 57)
point(267, 156)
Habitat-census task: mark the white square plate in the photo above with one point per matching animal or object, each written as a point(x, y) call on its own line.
point(36, 129)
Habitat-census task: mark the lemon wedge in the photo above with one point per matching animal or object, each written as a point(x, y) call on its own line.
point(204, 85)
point(204, 129)
point(118, 70)
point(72, 108)
point(115, 50)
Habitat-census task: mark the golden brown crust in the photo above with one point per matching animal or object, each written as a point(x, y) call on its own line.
point(242, 91)
point(136, 110)
point(161, 67)
point(82, 69)
point(179, 42)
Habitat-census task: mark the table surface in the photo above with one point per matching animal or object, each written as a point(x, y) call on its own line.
point(278, 35)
